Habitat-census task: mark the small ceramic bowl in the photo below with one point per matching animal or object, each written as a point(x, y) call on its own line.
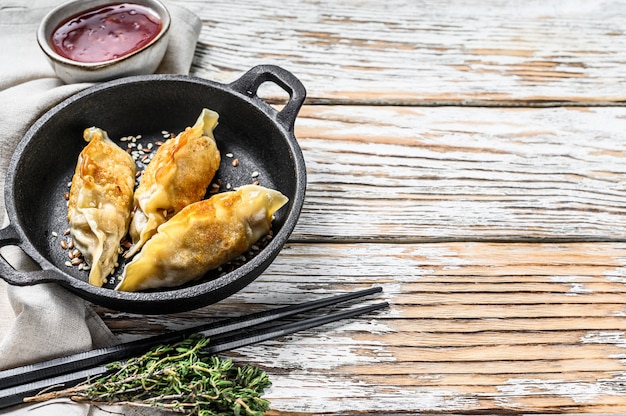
point(141, 61)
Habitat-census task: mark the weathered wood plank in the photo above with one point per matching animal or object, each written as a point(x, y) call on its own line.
point(436, 52)
point(496, 233)
point(457, 173)
point(472, 327)
point(528, 396)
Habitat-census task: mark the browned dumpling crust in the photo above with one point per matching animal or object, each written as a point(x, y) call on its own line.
point(100, 202)
point(178, 175)
point(201, 237)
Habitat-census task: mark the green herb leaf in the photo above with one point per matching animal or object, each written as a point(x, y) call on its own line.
point(180, 377)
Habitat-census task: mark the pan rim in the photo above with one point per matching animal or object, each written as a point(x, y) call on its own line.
point(140, 300)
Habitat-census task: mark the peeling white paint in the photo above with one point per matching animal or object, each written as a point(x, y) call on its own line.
point(427, 377)
point(342, 394)
point(372, 327)
point(568, 279)
point(617, 338)
point(620, 278)
point(299, 353)
point(578, 289)
point(576, 391)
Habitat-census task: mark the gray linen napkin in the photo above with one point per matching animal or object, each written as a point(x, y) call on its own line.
point(45, 320)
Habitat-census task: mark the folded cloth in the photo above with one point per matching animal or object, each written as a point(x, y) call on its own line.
point(44, 321)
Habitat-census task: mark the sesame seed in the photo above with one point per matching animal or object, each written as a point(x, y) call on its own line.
point(255, 174)
point(68, 263)
point(235, 162)
point(55, 234)
point(229, 155)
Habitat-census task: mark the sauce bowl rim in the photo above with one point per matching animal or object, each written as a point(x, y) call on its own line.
point(67, 10)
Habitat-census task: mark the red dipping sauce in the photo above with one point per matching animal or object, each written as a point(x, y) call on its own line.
point(106, 33)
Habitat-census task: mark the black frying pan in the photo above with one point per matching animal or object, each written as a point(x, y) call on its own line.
point(255, 133)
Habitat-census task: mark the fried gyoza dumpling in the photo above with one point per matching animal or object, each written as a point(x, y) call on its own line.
point(203, 236)
point(100, 203)
point(178, 175)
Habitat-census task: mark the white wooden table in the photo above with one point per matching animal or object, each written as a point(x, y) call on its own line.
point(470, 158)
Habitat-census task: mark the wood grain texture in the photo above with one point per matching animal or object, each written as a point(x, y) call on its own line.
point(472, 327)
point(441, 173)
point(468, 157)
point(414, 52)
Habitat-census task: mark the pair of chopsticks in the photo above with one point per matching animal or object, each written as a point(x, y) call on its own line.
point(225, 335)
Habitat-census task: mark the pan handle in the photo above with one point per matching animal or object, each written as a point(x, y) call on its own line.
point(249, 83)
point(9, 236)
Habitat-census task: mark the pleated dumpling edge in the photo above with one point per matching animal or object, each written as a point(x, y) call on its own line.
point(178, 175)
point(100, 202)
point(202, 237)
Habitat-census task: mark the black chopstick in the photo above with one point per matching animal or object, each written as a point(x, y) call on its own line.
point(51, 368)
point(15, 395)
point(227, 343)
point(227, 339)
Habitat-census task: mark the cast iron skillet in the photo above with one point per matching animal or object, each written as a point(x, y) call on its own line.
point(257, 134)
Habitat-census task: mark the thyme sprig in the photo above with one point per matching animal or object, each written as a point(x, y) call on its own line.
point(180, 377)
